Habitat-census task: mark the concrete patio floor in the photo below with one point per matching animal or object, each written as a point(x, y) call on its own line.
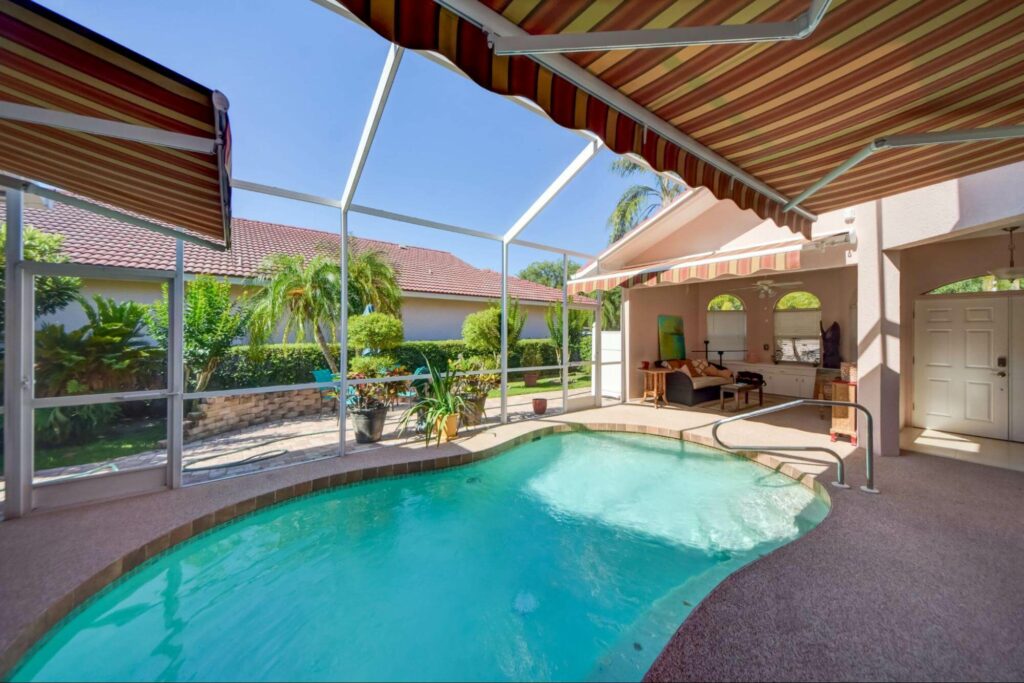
point(922, 582)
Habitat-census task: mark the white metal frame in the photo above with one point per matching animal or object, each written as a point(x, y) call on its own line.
point(22, 493)
point(646, 39)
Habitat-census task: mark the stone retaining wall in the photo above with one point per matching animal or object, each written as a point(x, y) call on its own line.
point(230, 413)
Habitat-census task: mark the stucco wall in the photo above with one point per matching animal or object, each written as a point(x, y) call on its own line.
point(432, 319)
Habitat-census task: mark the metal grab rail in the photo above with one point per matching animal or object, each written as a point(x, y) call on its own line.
point(840, 466)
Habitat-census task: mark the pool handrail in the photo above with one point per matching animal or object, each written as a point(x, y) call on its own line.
point(840, 466)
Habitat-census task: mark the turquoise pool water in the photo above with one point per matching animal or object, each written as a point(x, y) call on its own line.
point(573, 557)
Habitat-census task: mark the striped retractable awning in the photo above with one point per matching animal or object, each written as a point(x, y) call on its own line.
point(785, 112)
point(736, 265)
point(50, 63)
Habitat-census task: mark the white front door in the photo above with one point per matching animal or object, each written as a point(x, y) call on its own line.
point(961, 365)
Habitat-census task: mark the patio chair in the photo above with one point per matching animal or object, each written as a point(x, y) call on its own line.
point(327, 394)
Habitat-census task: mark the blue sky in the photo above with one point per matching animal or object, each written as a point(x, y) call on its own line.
point(300, 80)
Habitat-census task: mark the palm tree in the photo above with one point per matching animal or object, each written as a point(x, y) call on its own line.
point(304, 296)
point(372, 280)
point(639, 201)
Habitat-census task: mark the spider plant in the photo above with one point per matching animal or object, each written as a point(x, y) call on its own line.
point(440, 402)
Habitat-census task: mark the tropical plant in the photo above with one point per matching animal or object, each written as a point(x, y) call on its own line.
point(482, 330)
point(109, 353)
point(51, 293)
point(611, 309)
point(548, 273)
point(375, 332)
point(476, 385)
point(372, 281)
point(300, 295)
point(441, 401)
point(212, 322)
point(303, 296)
point(57, 426)
point(579, 321)
point(641, 200)
point(374, 395)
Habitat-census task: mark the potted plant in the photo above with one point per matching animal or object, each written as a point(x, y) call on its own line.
point(474, 388)
point(530, 358)
point(368, 406)
point(440, 407)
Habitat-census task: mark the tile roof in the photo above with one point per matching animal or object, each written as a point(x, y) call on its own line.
point(97, 240)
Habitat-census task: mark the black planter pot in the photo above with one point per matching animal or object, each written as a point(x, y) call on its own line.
point(368, 423)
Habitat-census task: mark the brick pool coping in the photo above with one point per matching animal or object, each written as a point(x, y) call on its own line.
point(16, 642)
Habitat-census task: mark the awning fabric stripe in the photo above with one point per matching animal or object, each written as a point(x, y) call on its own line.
point(785, 112)
point(678, 274)
point(52, 63)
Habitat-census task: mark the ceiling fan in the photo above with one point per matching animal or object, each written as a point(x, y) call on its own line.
point(767, 288)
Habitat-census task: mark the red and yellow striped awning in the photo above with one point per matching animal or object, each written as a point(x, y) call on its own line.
point(51, 63)
point(738, 265)
point(784, 112)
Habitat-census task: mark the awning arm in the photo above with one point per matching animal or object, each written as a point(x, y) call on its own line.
point(646, 39)
point(911, 140)
point(493, 22)
point(12, 111)
point(33, 188)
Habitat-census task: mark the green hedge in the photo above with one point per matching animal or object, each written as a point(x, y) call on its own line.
point(295, 363)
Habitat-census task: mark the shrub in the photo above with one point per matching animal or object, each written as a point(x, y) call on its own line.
point(213, 321)
point(411, 353)
point(108, 353)
point(530, 356)
point(371, 366)
point(294, 363)
point(375, 331)
point(482, 330)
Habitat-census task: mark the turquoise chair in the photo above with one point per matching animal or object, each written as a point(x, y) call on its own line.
point(327, 394)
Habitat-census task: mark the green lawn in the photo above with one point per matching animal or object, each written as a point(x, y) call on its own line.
point(578, 381)
point(119, 441)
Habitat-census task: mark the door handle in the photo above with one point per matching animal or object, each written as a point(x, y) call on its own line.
point(1001, 373)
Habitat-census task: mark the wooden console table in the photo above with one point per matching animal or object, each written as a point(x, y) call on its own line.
point(654, 384)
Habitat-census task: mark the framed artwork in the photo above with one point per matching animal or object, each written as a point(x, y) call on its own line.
point(671, 342)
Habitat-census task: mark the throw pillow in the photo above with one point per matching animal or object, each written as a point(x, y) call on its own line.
point(699, 366)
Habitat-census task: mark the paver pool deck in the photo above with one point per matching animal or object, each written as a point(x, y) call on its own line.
point(922, 582)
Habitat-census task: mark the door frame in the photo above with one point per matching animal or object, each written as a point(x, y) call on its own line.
point(75, 490)
point(1012, 372)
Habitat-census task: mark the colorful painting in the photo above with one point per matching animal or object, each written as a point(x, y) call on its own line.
point(671, 342)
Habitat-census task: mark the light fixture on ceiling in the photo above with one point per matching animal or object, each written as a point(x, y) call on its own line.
point(1013, 272)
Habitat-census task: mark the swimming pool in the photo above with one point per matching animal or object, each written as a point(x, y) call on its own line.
point(573, 557)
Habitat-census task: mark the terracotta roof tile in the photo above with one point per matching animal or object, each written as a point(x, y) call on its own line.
point(98, 240)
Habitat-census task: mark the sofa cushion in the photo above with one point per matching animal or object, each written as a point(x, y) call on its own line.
point(703, 382)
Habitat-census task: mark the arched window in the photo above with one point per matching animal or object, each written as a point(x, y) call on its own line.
point(981, 283)
point(798, 328)
point(727, 327)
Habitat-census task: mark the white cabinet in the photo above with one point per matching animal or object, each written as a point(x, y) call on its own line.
point(784, 380)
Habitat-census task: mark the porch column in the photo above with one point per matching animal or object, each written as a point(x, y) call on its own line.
point(878, 335)
point(20, 319)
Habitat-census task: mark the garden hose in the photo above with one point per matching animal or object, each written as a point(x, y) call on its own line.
point(189, 465)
